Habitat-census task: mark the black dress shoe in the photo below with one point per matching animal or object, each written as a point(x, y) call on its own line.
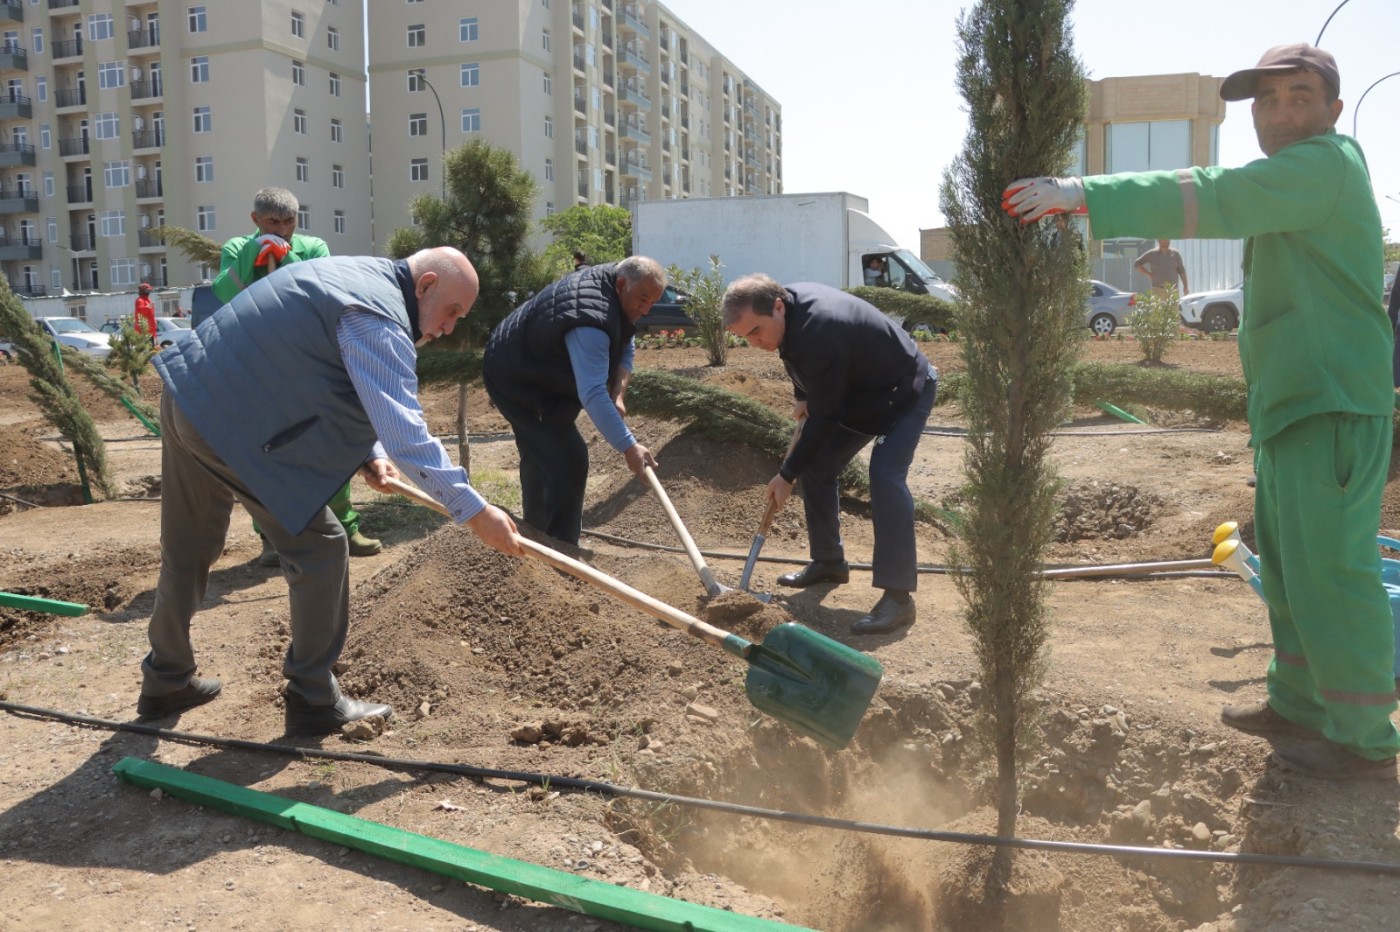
point(197, 691)
point(888, 616)
point(818, 571)
point(303, 718)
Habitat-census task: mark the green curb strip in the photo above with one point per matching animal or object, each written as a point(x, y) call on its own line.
point(506, 875)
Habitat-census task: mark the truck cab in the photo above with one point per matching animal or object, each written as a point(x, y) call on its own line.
point(901, 270)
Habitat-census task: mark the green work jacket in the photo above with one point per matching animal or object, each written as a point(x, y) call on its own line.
point(236, 269)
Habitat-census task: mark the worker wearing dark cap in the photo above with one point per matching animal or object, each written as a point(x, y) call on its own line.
point(1316, 347)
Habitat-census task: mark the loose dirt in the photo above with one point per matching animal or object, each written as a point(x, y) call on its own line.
point(509, 664)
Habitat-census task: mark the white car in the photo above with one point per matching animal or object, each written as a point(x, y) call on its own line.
point(70, 331)
point(1214, 311)
point(171, 331)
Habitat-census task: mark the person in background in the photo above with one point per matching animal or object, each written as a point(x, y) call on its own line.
point(246, 259)
point(580, 260)
point(875, 272)
point(144, 316)
point(1163, 266)
point(1314, 343)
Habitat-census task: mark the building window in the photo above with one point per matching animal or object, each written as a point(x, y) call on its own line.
point(337, 131)
point(198, 20)
point(111, 74)
point(471, 119)
point(333, 38)
point(544, 39)
point(203, 120)
point(549, 208)
point(38, 40)
point(113, 223)
point(337, 176)
point(203, 169)
point(549, 169)
point(548, 127)
point(48, 184)
point(335, 84)
point(100, 26)
point(303, 169)
point(199, 69)
point(123, 271)
point(298, 73)
point(466, 29)
point(298, 25)
point(116, 174)
point(204, 218)
point(1138, 147)
point(418, 170)
point(106, 126)
point(304, 217)
point(340, 222)
point(415, 82)
point(299, 121)
point(45, 136)
point(417, 124)
point(417, 36)
point(53, 229)
point(471, 74)
point(41, 87)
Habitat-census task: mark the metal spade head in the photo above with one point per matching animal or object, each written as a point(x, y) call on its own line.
point(815, 684)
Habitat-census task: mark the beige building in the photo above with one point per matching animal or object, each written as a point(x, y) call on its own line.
point(603, 101)
point(119, 117)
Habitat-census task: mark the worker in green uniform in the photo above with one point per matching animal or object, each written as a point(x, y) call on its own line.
point(244, 260)
point(1316, 349)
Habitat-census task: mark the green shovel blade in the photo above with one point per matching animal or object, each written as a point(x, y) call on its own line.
point(817, 685)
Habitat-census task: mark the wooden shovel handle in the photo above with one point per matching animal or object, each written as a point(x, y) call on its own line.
point(691, 550)
point(768, 514)
point(676, 618)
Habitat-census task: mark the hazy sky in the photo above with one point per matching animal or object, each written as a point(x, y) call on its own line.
point(870, 106)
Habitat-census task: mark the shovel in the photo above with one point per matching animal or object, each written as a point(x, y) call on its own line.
point(757, 545)
point(816, 685)
point(707, 578)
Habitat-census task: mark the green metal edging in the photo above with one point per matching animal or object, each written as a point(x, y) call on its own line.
point(506, 875)
point(1119, 412)
point(139, 416)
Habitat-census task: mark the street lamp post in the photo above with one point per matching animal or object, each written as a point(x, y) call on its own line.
point(1318, 41)
point(1356, 111)
point(423, 76)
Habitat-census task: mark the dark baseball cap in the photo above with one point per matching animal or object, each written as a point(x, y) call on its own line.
point(1281, 59)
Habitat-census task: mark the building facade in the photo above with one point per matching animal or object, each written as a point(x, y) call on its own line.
point(602, 101)
point(119, 117)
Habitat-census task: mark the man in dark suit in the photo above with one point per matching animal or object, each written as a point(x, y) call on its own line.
point(857, 377)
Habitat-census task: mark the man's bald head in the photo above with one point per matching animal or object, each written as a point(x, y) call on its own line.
point(446, 285)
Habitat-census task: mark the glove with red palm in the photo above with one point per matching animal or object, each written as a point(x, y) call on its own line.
point(1033, 198)
point(272, 250)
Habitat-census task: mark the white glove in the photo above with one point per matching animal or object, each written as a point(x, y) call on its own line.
point(1033, 198)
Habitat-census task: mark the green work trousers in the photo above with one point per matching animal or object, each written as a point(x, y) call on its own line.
point(1317, 506)
point(343, 510)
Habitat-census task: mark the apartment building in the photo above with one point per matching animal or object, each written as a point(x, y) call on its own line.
point(118, 117)
point(603, 101)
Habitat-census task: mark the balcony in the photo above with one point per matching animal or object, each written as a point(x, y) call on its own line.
point(608, 74)
point(70, 97)
point(578, 19)
point(148, 139)
point(12, 9)
point(147, 239)
point(28, 289)
point(21, 247)
point(580, 102)
point(80, 243)
point(580, 144)
point(67, 48)
point(15, 106)
point(18, 201)
point(636, 170)
point(149, 189)
point(634, 96)
point(631, 18)
point(578, 58)
point(13, 57)
point(634, 59)
point(637, 132)
point(12, 154)
point(79, 194)
point(78, 145)
point(143, 38)
point(141, 90)
point(60, 4)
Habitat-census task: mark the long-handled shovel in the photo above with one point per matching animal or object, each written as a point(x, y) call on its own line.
point(818, 686)
point(712, 586)
point(754, 548)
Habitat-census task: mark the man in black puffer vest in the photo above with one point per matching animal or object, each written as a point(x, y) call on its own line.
point(569, 349)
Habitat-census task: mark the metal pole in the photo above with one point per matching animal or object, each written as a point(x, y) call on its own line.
point(1329, 20)
point(1356, 111)
point(423, 76)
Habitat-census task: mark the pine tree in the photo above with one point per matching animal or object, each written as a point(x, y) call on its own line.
point(1022, 317)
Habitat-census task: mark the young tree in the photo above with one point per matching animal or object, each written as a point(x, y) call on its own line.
point(704, 294)
point(601, 232)
point(1022, 310)
point(131, 352)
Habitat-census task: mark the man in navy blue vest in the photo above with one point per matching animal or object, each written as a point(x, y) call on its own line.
point(303, 378)
point(567, 349)
point(856, 377)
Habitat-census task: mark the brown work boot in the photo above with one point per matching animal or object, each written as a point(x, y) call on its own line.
point(1327, 760)
point(1259, 718)
point(269, 555)
point(362, 546)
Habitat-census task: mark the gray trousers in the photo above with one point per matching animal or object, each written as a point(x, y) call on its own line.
point(197, 495)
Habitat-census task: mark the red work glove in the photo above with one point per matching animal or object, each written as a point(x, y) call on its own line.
point(1033, 198)
point(273, 247)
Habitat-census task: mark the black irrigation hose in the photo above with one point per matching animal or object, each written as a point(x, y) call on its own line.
point(960, 432)
point(611, 789)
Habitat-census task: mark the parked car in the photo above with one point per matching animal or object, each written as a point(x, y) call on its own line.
point(668, 313)
point(1107, 308)
point(1214, 311)
point(172, 330)
point(7, 352)
point(70, 331)
point(112, 325)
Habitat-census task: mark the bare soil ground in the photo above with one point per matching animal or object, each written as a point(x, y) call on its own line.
point(508, 664)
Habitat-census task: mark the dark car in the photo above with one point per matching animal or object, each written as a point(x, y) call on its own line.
point(668, 314)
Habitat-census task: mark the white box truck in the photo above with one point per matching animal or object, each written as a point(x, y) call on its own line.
point(828, 238)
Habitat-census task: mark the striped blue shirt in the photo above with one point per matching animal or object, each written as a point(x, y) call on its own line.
point(381, 361)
